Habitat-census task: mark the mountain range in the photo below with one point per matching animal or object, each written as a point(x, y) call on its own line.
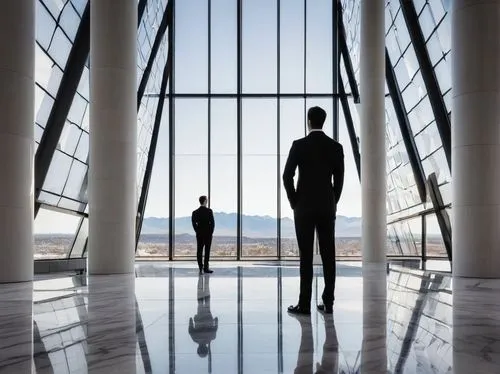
point(253, 226)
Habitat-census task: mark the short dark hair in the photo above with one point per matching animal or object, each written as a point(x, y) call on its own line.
point(316, 116)
point(202, 350)
point(202, 199)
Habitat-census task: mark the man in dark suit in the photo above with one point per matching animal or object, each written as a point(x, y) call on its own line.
point(204, 225)
point(314, 203)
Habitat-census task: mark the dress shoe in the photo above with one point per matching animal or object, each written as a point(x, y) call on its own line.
point(327, 309)
point(201, 271)
point(208, 271)
point(297, 309)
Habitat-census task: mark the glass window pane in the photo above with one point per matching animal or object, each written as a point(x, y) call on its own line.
point(224, 46)
point(348, 243)
point(58, 172)
point(224, 178)
point(81, 239)
point(259, 46)
point(82, 150)
point(405, 237)
point(69, 138)
point(74, 184)
point(60, 48)
point(70, 20)
point(292, 127)
point(319, 46)
point(54, 234)
point(44, 110)
point(259, 164)
point(191, 181)
point(434, 240)
point(292, 46)
point(191, 126)
point(191, 48)
point(155, 236)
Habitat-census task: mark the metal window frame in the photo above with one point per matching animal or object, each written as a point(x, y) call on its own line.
point(239, 208)
point(428, 75)
point(171, 140)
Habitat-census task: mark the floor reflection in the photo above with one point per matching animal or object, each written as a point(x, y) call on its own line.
point(170, 320)
point(203, 326)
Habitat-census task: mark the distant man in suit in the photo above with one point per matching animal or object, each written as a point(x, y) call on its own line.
point(203, 225)
point(314, 202)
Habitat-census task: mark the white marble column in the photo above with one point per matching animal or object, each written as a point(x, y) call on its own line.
point(476, 138)
point(17, 97)
point(373, 152)
point(113, 136)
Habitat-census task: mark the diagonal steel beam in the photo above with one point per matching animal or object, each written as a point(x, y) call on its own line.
point(350, 126)
point(140, 10)
point(405, 127)
point(428, 75)
point(344, 50)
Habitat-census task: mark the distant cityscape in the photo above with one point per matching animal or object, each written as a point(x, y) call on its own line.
point(259, 239)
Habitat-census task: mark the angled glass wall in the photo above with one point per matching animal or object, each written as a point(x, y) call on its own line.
point(413, 228)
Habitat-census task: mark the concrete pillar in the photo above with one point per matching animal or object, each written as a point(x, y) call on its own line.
point(476, 138)
point(17, 96)
point(373, 152)
point(113, 136)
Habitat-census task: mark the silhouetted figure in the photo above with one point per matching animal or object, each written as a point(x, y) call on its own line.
point(318, 158)
point(204, 225)
point(330, 358)
point(203, 327)
point(305, 358)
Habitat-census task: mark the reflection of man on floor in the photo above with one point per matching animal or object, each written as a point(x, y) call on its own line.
point(203, 327)
point(329, 360)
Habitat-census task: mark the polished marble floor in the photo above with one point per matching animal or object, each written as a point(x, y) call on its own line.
point(167, 319)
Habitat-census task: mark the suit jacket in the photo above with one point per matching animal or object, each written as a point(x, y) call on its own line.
point(318, 158)
point(203, 221)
